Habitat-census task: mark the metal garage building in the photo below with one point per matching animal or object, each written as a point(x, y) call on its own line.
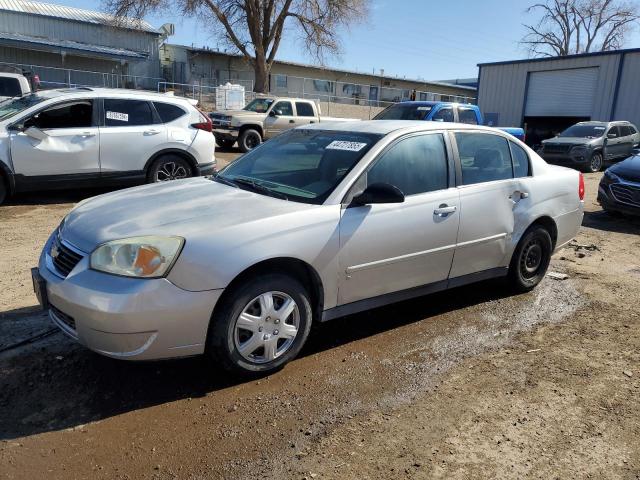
point(549, 94)
point(66, 45)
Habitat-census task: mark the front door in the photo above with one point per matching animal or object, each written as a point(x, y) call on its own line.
point(386, 248)
point(62, 139)
point(615, 146)
point(491, 200)
point(129, 135)
point(280, 118)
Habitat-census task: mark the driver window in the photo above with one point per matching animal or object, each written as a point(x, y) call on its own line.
point(284, 108)
point(78, 114)
point(444, 115)
point(415, 165)
point(614, 131)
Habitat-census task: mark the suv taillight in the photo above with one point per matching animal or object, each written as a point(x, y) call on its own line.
point(205, 122)
point(581, 187)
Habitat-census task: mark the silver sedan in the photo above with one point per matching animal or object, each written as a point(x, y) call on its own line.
point(320, 222)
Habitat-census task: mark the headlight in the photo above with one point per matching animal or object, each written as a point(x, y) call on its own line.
point(611, 176)
point(143, 257)
point(579, 148)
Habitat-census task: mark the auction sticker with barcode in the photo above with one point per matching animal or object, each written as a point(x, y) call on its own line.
point(122, 117)
point(345, 145)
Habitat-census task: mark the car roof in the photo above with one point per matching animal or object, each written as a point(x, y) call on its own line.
point(384, 127)
point(431, 103)
point(11, 75)
point(90, 92)
point(603, 124)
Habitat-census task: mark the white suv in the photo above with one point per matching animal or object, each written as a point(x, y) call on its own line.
point(81, 137)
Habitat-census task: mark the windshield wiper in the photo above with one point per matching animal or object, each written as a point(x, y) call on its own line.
point(258, 187)
point(225, 181)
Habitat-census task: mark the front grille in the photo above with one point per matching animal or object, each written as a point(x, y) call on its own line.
point(626, 194)
point(556, 148)
point(63, 258)
point(63, 318)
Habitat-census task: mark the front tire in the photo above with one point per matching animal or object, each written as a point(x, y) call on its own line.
point(167, 168)
point(531, 259)
point(225, 144)
point(249, 139)
point(596, 162)
point(261, 325)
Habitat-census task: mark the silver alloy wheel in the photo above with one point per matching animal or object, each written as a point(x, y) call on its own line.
point(267, 327)
point(596, 162)
point(171, 171)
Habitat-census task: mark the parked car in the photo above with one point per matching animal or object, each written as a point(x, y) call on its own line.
point(619, 189)
point(264, 118)
point(13, 85)
point(315, 224)
point(441, 112)
point(81, 137)
point(589, 145)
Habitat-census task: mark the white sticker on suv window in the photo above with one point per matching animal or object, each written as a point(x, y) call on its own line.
point(345, 145)
point(424, 108)
point(122, 117)
point(598, 128)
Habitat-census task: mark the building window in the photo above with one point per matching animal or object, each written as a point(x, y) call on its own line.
point(281, 81)
point(323, 86)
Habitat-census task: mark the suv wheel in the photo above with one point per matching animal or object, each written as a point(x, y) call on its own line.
point(531, 259)
point(249, 139)
point(596, 162)
point(261, 326)
point(169, 167)
point(3, 190)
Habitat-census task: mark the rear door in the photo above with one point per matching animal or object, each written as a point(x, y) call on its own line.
point(627, 140)
point(61, 139)
point(130, 133)
point(492, 201)
point(281, 117)
point(386, 248)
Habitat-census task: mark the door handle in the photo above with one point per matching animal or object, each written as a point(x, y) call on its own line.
point(445, 210)
point(87, 134)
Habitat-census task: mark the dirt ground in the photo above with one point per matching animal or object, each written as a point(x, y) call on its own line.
point(471, 383)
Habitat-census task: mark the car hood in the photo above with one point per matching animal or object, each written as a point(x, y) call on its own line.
point(569, 141)
point(179, 208)
point(628, 169)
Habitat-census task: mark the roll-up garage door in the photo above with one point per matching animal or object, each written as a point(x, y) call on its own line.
point(561, 93)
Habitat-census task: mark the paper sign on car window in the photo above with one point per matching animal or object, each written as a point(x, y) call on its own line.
point(122, 117)
point(424, 108)
point(345, 145)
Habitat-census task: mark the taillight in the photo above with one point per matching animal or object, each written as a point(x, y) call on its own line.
point(205, 122)
point(581, 187)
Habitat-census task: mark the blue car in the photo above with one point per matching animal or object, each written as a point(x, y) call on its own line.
point(619, 189)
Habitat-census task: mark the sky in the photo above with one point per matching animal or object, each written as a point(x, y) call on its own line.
point(427, 39)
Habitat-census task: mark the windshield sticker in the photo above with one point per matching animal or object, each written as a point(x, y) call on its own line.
point(345, 145)
point(122, 117)
point(423, 108)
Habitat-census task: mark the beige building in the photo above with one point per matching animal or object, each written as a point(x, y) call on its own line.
point(187, 65)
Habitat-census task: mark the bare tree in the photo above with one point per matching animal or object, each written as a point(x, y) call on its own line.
point(255, 28)
point(579, 26)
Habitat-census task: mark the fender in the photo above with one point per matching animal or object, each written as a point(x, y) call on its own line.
point(175, 151)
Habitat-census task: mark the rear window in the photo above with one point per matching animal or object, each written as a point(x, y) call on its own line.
point(127, 113)
point(9, 87)
point(406, 111)
point(168, 112)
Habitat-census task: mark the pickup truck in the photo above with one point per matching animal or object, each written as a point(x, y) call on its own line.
point(441, 112)
point(264, 118)
point(15, 82)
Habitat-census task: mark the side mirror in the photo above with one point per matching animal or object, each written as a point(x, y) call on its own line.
point(35, 132)
point(379, 193)
point(16, 127)
point(611, 135)
point(273, 113)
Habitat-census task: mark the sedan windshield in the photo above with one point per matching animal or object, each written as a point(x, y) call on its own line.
point(299, 165)
point(259, 105)
point(583, 131)
point(9, 108)
point(406, 111)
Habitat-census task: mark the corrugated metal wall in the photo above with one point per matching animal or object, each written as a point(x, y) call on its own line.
point(502, 87)
point(628, 104)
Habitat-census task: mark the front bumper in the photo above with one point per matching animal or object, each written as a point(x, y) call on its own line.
point(622, 202)
point(567, 158)
point(127, 318)
point(229, 133)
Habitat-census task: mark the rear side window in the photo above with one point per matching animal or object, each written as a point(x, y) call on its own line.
point(520, 161)
point(484, 157)
point(625, 131)
point(168, 112)
point(77, 114)
point(304, 109)
point(468, 116)
point(127, 113)
point(415, 165)
point(443, 115)
point(633, 129)
point(9, 87)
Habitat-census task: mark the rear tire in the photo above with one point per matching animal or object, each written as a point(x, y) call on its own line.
point(249, 139)
point(531, 259)
point(250, 334)
point(169, 167)
point(225, 144)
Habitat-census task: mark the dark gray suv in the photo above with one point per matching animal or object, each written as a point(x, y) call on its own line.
point(589, 145)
